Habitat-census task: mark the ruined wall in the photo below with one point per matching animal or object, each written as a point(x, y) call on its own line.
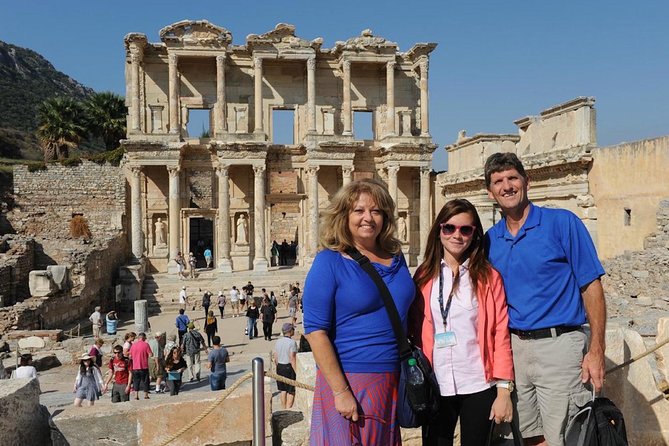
point(627, 182)
point(23, 420)
point(17, 259)
point(46, 200)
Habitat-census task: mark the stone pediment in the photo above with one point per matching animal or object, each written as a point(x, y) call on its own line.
point(195, 33)
point(419, 50)
point(366, 42)
point(282, 37)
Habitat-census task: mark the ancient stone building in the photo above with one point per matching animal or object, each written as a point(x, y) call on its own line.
point(232, 188)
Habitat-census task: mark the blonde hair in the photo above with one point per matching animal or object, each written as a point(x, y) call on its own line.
point(335, 234)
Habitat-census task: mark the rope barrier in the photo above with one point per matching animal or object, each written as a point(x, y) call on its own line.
point(227, 393)
point(639, 356)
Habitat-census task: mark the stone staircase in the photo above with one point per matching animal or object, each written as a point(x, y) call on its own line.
point(161, 290)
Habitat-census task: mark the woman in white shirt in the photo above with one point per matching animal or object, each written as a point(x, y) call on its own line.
point(460, 321)
point(25, 369)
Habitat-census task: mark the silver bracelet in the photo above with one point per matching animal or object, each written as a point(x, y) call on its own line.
point(336, 394)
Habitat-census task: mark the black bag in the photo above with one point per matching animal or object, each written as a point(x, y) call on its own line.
point(495, 440)
point(409, 415)
point(598, 423)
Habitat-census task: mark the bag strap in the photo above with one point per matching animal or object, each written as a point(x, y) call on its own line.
point(517, 437)
point(396, 322)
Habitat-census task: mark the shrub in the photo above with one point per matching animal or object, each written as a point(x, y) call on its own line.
point(112, 157)
point(36, 167)
point(79, 227)
point(70, 162)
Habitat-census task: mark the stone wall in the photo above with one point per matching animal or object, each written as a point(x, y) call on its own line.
point(627, 182)
point(23, 420)
point(17, 259)
point(46, 200)
point(93, 273)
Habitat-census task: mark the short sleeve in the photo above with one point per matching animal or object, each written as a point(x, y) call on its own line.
point(293, 347)
point(580, 251)
point(319, 293)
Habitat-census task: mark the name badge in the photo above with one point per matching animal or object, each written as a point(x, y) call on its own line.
point(446, 339)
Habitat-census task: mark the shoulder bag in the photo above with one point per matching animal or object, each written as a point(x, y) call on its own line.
point(416, 404)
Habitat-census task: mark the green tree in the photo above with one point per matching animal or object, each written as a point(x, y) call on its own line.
point(106, 117)
point(60, 126)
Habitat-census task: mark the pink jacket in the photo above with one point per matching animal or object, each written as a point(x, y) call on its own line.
point(493, 327)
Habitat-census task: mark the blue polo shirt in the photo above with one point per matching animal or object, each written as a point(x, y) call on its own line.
point(544, 268)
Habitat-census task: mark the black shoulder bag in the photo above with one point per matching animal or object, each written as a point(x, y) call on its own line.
point(417, 403)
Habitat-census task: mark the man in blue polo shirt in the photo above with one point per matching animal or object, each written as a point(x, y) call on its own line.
point(551, 277)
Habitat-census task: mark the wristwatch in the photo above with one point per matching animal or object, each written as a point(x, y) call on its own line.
point(506, 385)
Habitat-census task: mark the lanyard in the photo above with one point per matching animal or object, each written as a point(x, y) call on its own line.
point(444, 311)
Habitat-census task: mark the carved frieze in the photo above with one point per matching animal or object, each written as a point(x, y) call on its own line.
point(195, 33)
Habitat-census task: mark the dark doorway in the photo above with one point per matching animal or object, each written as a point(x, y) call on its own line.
point(201, 238)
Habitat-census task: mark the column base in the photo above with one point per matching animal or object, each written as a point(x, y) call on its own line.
point(172, 266)
point(225, 265)
point(260, 266)
point(425, 135)
point(347, 133)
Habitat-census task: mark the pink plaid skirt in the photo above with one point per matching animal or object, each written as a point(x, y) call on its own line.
point(377, 398)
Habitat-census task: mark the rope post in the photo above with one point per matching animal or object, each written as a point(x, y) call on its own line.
point(258, 402)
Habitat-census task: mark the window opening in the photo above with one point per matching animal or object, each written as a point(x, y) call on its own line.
point(198, 123)
point(628, 217)
point(363, 127)
point(283, 126)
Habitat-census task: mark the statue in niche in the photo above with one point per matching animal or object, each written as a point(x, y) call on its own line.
point(160, 227)
point(402, 228)
point(242, 230)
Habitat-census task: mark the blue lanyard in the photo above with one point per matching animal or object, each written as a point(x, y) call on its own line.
point(444, 311)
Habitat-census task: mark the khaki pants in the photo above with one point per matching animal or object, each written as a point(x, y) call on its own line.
point(193, 365)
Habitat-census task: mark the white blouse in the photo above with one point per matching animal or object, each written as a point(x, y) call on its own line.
point(459, 368)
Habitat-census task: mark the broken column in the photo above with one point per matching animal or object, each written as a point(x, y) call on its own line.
point(141, 316)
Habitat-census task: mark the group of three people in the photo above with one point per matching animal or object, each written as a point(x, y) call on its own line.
point(489, 310)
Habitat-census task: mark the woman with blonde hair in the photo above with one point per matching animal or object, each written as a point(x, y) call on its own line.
point(346, 322)
point(460, 320)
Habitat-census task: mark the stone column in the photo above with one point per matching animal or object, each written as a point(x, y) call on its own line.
point(424, 106)
point(346, 105)
point(257, 93)
point(393, 169)
point(312, 172)
point(141, 316)
point(424, 218)
point(174, 206)
point(224, 263)
point(135, 61)
point(173, 81)
point(390, 98)
point(311, 93)
point(259, 256)
point(220, 122)
point(136, 212)
point(347, 174)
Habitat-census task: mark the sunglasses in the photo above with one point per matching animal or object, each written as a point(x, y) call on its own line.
point(449, 229)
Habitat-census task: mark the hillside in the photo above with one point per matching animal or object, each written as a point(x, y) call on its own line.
point(27, 79)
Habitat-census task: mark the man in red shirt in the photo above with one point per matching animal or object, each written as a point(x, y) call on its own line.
point(139, 354)
point(120, 368)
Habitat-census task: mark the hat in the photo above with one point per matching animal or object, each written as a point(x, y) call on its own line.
point(85, 356)
point(191, 325)
point(159, 334)
point(183, 287)
point(97, 308)
point(287, 327)
point(220, 293)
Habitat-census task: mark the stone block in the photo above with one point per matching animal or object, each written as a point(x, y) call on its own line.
point(40, 284)
point(305, 373)
point(281, 420)
point(24, 421)
point(663, 353)
point(31, 342)
point(60, 274)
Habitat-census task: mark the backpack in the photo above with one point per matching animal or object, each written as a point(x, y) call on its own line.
point(192, 342)
point(598, 423)
point(206, 300)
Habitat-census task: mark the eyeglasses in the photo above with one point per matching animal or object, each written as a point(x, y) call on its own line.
point(449, 229)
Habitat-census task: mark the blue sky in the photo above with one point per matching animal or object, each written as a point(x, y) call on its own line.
point(496, 61)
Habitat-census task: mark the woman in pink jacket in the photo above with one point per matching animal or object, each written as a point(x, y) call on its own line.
point(460, 321)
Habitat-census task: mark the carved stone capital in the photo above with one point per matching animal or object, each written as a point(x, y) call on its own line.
point(257, 63)
point(346, 66)
point(390, 66)
point(312, 170)
point(425, 172)
point(424, 66)
point(393, 169)
point(259, 170)
point(173, 171)
point(220, 59)
point(347, 170)
point(223, 171)
point(311, 63)
point(172, 58)
point(136, 171)
point(136, 54)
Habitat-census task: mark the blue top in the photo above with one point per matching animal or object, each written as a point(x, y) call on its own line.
point(182, 322)
point(340, 298)
point(218, 357)
point(544, 268)
point(207, 252)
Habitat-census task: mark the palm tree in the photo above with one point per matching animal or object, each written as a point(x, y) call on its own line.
point(60, 126)
point(106, 117)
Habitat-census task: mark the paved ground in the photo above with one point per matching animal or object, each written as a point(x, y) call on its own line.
point(57, 383)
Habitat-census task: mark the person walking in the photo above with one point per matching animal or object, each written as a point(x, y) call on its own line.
point(346, 322)
point(193, 344)
point(206, 302)
point(552, 281)
point(175, 366)
point(234, 301)
point(285, 357)
point(181, 265)
point(218, 357)
point(183, 298)
point(252, 315)
point(157, 361)
point(96, 322)
point(208, 257)
point(129, 338)
point(192, 263)
point(181, 323)
point(210, 327)
point(268, 315)
point(96, 351)
point(140, 352)
point(460, 320)
point(221, 303)
point(292, 306)
point(88, 384)
point(119, 368)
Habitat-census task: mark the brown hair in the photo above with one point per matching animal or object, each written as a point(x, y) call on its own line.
point(335, 234)
point(479, 266)
point(499, 162)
